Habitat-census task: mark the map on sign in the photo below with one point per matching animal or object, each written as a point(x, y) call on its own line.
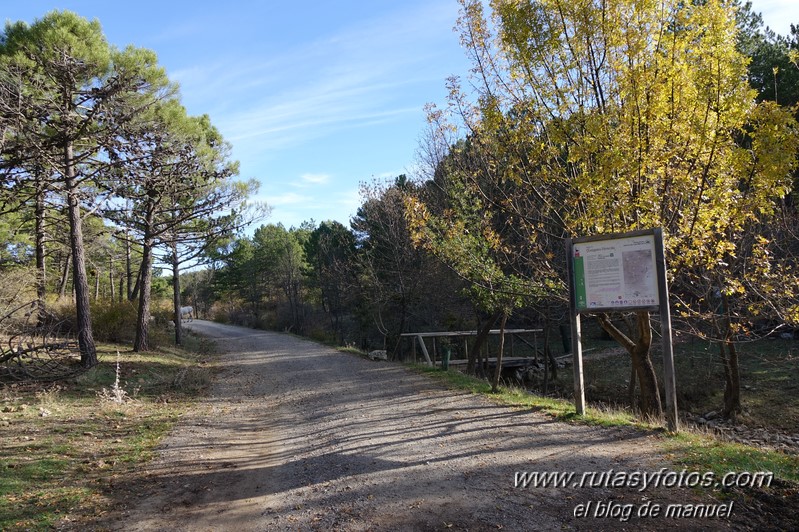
point(615, 273)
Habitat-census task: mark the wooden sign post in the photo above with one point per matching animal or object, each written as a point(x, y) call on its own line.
point(621, 272)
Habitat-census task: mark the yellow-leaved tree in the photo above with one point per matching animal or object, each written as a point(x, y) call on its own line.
point(608, 116)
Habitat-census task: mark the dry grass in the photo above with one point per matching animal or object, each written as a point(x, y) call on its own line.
point(64, 446)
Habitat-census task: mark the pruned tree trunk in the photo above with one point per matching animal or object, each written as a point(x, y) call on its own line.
point(482, 335)
point(729, 359)
point(649, 401)
point(547, 362)
point(550, 356)
point(732, 379)
point(631, 386)
point(498, 369)
point(550, 362)
point(400, 330)
point(645, 372)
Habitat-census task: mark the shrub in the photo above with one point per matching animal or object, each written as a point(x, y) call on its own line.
point(17, 289)
point(114, 321)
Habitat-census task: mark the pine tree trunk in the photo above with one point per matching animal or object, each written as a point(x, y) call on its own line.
point(176, 295)
point(111, 277)
point(128, 271)
point(137, 285)
point(88, 350)
point(41, 266)
point(141, 343)
point(62, 284)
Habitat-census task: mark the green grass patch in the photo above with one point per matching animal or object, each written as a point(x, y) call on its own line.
point(62, 444)
point(351, 350)
point(41, 509)
point(769, 376)
point(701, 452)
point(769, 380)
point(691, 449)
point(561, 409)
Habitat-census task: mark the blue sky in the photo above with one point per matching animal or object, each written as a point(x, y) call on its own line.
point(314, 97)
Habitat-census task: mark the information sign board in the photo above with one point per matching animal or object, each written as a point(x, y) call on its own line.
point(615, 274)
point(620, 272)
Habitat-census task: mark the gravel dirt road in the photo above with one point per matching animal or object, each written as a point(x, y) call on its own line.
point(297, 436)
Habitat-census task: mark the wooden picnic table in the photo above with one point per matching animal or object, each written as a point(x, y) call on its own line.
point(420, 336)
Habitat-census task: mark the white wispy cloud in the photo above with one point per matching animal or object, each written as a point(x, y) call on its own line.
point(354, 78)
point(288, 198)
point(315, 179)
point(325, 103)
point(349, 200)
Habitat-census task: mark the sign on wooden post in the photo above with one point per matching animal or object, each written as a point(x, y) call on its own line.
point(621, 272)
